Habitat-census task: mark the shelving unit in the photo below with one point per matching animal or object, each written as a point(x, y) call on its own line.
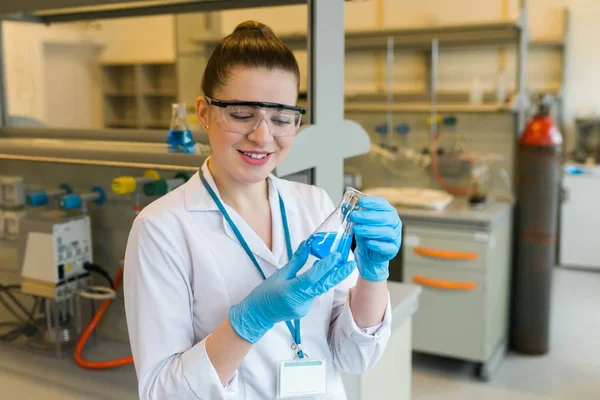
point(138, 95)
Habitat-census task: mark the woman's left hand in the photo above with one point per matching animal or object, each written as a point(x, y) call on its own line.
point(378, 232)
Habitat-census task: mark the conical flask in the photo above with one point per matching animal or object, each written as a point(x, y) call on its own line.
point(180, 139)
point(335, 233)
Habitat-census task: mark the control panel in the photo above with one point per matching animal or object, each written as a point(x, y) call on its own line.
point(72, 248)
point(52, 254)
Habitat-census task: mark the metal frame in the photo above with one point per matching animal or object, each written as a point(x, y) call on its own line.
point(494, 33)
point(98, 9)
point(3, 100)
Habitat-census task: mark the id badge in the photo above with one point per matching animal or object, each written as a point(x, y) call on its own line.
point(301, 377)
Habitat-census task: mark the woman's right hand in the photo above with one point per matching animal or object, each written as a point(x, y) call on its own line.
point(284, 296)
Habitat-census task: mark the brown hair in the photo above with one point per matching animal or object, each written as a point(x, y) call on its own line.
point(250, 45)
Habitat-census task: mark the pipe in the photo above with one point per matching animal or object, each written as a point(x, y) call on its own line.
point(100, 163)
point(90, 328)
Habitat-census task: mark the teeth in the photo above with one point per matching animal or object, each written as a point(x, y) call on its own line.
point(255, 156)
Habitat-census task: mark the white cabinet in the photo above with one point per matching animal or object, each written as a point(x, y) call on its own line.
point(580, 217)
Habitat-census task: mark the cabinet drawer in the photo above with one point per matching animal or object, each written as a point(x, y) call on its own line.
point(447, 249)
point(451, 318)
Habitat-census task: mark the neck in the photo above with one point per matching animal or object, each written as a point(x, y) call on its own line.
point(238, 195)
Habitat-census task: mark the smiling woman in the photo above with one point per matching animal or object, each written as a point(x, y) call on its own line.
point(211, 270)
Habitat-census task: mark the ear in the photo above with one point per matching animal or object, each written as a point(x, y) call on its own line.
point(202, 111)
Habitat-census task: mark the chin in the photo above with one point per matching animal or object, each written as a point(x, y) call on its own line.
point(254, 174)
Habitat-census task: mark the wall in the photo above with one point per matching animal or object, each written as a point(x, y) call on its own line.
point(148, 39)
point(25, 65)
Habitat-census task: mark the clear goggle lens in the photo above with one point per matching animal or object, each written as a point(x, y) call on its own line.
point(246, 119)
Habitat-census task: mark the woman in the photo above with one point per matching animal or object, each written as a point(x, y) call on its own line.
point(213, 292)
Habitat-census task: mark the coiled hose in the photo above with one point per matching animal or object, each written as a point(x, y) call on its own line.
point(90, 328)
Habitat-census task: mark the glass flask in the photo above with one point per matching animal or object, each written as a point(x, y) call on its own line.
point(180, 139)
point(335, 233)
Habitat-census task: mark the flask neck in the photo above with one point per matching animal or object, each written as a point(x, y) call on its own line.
point(179, 118)
point(350, 199)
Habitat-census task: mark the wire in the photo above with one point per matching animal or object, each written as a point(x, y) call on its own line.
point(28, 326)
point(6, 289)
point(97, 293)
point(90, 328)
point(100, 271)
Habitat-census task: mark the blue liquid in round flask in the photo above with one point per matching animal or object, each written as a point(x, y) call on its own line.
point(335, 233)
point(180, 139)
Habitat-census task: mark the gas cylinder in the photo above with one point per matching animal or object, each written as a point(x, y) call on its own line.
point(539, 166)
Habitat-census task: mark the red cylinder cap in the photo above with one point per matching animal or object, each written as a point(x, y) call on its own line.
point(541, 131)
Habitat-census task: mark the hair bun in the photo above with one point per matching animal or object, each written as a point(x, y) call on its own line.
point(253, 26)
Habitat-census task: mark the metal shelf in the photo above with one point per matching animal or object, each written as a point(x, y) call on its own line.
point(492, 33)
point(99, 153)
point(159, 93)
point(119, 94)
point(426, 107)
point(63, 11)
point(543, 43)
point(115, 135)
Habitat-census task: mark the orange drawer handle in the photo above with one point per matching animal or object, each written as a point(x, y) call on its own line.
point(446, 255)
point(448, 285)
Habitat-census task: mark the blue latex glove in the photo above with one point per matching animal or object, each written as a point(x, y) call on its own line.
point(378, 233)
point(284, 296)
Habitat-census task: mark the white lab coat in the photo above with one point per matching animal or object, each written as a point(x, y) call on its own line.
point(184, 268)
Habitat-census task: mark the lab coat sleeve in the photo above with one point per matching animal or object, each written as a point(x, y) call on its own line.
point(158, 305)
point(354, 350)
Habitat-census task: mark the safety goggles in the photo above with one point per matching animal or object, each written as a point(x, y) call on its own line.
point(244, 117)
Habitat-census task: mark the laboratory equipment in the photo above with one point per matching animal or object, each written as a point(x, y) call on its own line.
point(428, 199)
point(579, 217)
point(588, 140)
point(180, 139)
point(335, 233)
point(12, 191)
point(80, 200)
point(163, 186)
point(538, 193)
point(36, 198)
point(133, 184)
point(10, 223)
point(403, 130)
point(53, 250)
point(480, 181)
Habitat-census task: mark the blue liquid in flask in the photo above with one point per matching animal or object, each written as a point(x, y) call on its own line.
point(180, 141)
point(321, 243)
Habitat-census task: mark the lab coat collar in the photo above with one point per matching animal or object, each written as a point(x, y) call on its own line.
point(197, 198)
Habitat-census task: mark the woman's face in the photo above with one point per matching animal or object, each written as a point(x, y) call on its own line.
point(233, 151)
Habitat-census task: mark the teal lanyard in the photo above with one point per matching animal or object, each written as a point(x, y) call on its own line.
point(295, 326)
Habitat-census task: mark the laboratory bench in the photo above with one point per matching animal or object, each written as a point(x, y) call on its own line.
point(29, 374)
point(461, 257)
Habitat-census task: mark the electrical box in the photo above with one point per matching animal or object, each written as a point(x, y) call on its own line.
point(12, 191)
point(53, 249)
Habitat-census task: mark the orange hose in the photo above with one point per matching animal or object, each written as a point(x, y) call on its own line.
point(90, 328)
point(459, 191)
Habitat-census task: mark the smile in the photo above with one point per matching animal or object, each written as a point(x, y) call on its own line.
point(256, 156)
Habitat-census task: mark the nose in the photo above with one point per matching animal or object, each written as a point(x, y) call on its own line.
point(261, 135)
